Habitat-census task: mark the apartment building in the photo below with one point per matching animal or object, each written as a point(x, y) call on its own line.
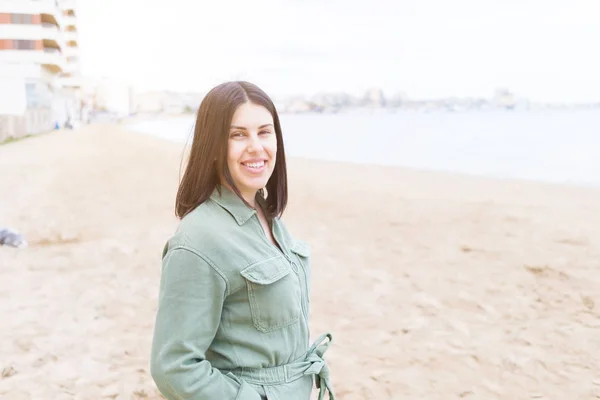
point(40, 79)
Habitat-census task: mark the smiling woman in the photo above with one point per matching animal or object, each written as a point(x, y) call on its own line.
point(232, 319)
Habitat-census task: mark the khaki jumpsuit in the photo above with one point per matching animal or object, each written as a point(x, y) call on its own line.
point(232, 319)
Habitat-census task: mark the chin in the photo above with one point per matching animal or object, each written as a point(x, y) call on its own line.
point(247, 185)
point(255, 185)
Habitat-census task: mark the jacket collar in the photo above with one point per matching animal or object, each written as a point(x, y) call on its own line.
point(228, 200)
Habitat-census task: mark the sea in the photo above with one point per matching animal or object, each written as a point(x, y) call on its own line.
point(556, 146)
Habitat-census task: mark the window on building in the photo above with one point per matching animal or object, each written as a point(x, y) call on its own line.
point(24, 44)
point(31, 95)
point(21, 19)
point(38, 94)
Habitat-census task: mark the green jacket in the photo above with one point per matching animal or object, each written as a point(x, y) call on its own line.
point(232, 319)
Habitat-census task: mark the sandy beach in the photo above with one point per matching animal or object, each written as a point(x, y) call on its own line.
point(434, 285)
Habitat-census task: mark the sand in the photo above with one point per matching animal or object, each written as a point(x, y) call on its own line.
point(434, 285)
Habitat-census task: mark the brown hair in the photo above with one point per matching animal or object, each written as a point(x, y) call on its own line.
point(211, 134)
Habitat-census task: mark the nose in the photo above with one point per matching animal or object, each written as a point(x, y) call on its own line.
point(254, 144)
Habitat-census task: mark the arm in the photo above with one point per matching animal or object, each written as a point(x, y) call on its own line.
point(189, 312)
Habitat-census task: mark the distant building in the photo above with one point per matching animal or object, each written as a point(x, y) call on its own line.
point(332, 101)
point(40, 77)
point(397, 100)
point(503, 98)
point(167, 102)
point(374, 98)
point(113, 97)
point(150, 102)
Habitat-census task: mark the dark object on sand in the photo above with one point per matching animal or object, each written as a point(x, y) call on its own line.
point(11, 238)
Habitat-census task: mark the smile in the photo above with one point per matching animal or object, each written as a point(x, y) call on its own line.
point(258, 164)
point(255, 166)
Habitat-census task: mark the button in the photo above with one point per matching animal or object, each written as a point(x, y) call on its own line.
point(294, 266)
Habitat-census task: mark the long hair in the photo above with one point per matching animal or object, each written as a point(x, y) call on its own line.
point(208, 154)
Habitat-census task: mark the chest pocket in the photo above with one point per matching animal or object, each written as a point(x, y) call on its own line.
point(274, 294)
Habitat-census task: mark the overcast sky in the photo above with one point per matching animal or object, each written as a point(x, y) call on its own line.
point(541, 49)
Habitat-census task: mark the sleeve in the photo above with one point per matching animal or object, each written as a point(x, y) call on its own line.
point(191, 296)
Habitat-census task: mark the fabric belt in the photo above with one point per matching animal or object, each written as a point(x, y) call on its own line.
point(312, 364)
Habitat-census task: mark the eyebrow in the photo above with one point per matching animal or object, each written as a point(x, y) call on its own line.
point(243, 128)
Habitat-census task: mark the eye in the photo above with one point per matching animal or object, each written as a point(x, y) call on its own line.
point(265, 132)
point(236, 134)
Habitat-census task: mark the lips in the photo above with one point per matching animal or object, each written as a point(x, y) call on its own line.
point(254, 164)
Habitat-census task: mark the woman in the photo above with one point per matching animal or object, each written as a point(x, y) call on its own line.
point(232, 318)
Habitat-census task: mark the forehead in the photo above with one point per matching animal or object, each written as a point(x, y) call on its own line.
point(251, 115)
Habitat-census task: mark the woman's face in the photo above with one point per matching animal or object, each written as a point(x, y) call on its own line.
point(251, 149)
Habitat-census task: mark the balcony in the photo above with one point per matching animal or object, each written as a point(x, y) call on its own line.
point(51, 19)
point(69, 22)
point(68, 5)
point(71, 81)
point(70, 51)
point(51, 59)
point(47, 32)
point(71, 37)
point(50, 26)
point(48, 9)
point(50, 32)
point(51, 45)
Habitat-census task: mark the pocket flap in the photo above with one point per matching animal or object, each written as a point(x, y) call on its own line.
point(301, 248)
point(267, 271)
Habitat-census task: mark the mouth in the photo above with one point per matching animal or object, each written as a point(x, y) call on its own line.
point(255, 166)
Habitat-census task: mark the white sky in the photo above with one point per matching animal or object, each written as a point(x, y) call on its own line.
point(545, 50)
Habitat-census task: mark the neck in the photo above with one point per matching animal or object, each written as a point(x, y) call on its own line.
point(249, 197)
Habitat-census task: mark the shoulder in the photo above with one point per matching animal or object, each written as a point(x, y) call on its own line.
point(206, 220)
point(203, 229)
point(207, 232)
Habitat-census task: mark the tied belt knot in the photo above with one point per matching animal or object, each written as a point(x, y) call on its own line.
point(319, 367)
point(311, 364)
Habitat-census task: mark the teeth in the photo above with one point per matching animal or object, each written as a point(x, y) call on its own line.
point(255, 165)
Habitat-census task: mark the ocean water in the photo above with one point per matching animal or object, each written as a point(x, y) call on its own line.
point(548, 145)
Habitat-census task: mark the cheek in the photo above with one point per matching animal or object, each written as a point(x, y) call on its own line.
point(233, 152)
point(272, 148)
